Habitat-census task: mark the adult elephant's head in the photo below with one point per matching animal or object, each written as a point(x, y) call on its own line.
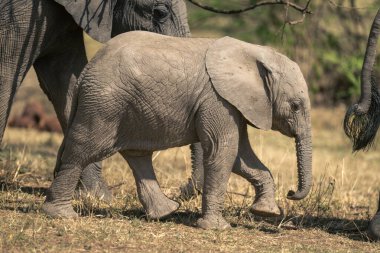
point(270, 92)
point(103, 19)
point(363, 119)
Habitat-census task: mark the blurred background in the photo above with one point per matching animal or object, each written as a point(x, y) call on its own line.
point(329, 45)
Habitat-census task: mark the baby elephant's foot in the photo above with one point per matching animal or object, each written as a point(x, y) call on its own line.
point(216, 222)
point(162, 208)
point(65, 211)
point(265, 207)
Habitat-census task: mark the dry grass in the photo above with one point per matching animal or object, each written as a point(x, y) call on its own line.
point(332, 219)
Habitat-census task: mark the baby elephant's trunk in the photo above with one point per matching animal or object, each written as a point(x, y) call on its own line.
point(304, 165)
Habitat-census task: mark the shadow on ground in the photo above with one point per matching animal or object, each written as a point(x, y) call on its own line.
point(35, 190)
point(354, 229)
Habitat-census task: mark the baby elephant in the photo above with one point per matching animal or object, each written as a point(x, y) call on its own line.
point(144, 92)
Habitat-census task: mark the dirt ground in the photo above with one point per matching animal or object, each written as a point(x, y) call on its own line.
point(332, 219)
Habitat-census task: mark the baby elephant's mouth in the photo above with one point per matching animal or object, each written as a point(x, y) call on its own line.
point(284, 127)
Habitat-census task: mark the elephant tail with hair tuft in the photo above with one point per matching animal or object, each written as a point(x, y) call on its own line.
point(362, 120)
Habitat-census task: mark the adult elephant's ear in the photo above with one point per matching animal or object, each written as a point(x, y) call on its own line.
point(94, 16)
point(239, 75)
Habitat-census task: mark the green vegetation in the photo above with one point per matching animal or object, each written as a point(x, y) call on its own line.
point(329, 45)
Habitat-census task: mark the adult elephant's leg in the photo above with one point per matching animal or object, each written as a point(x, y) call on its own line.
point(58, 72)
point(251, 168)
point(374, 225)
point(154, 201)
point(18, 49)
point(11, 75)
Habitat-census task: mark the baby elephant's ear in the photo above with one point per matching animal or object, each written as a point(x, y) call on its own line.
point(239, 75)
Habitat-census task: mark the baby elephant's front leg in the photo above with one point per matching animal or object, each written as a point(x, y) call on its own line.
point(218, 129)
point(218, 167)
point(154, 201)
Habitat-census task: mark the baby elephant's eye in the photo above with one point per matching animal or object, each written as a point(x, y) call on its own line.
point(295, 106)
point(160, 12)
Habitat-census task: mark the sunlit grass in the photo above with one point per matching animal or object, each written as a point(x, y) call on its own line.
point(336, 212)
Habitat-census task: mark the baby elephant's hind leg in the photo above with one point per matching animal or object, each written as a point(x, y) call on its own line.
point(154, 201)
point(58, 199)
point(251, 168)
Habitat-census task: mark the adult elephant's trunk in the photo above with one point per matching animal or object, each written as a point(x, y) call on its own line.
point(304, 166)
point(369, 61)
point(363, 119)
point(180, 8)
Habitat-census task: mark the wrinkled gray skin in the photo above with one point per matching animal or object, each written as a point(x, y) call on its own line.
point(48, 35)
point(363, 119)
point(247, 166)
point(144, 92)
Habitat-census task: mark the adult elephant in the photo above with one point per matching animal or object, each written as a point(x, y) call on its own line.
point(363, 119)
point(48, 34)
